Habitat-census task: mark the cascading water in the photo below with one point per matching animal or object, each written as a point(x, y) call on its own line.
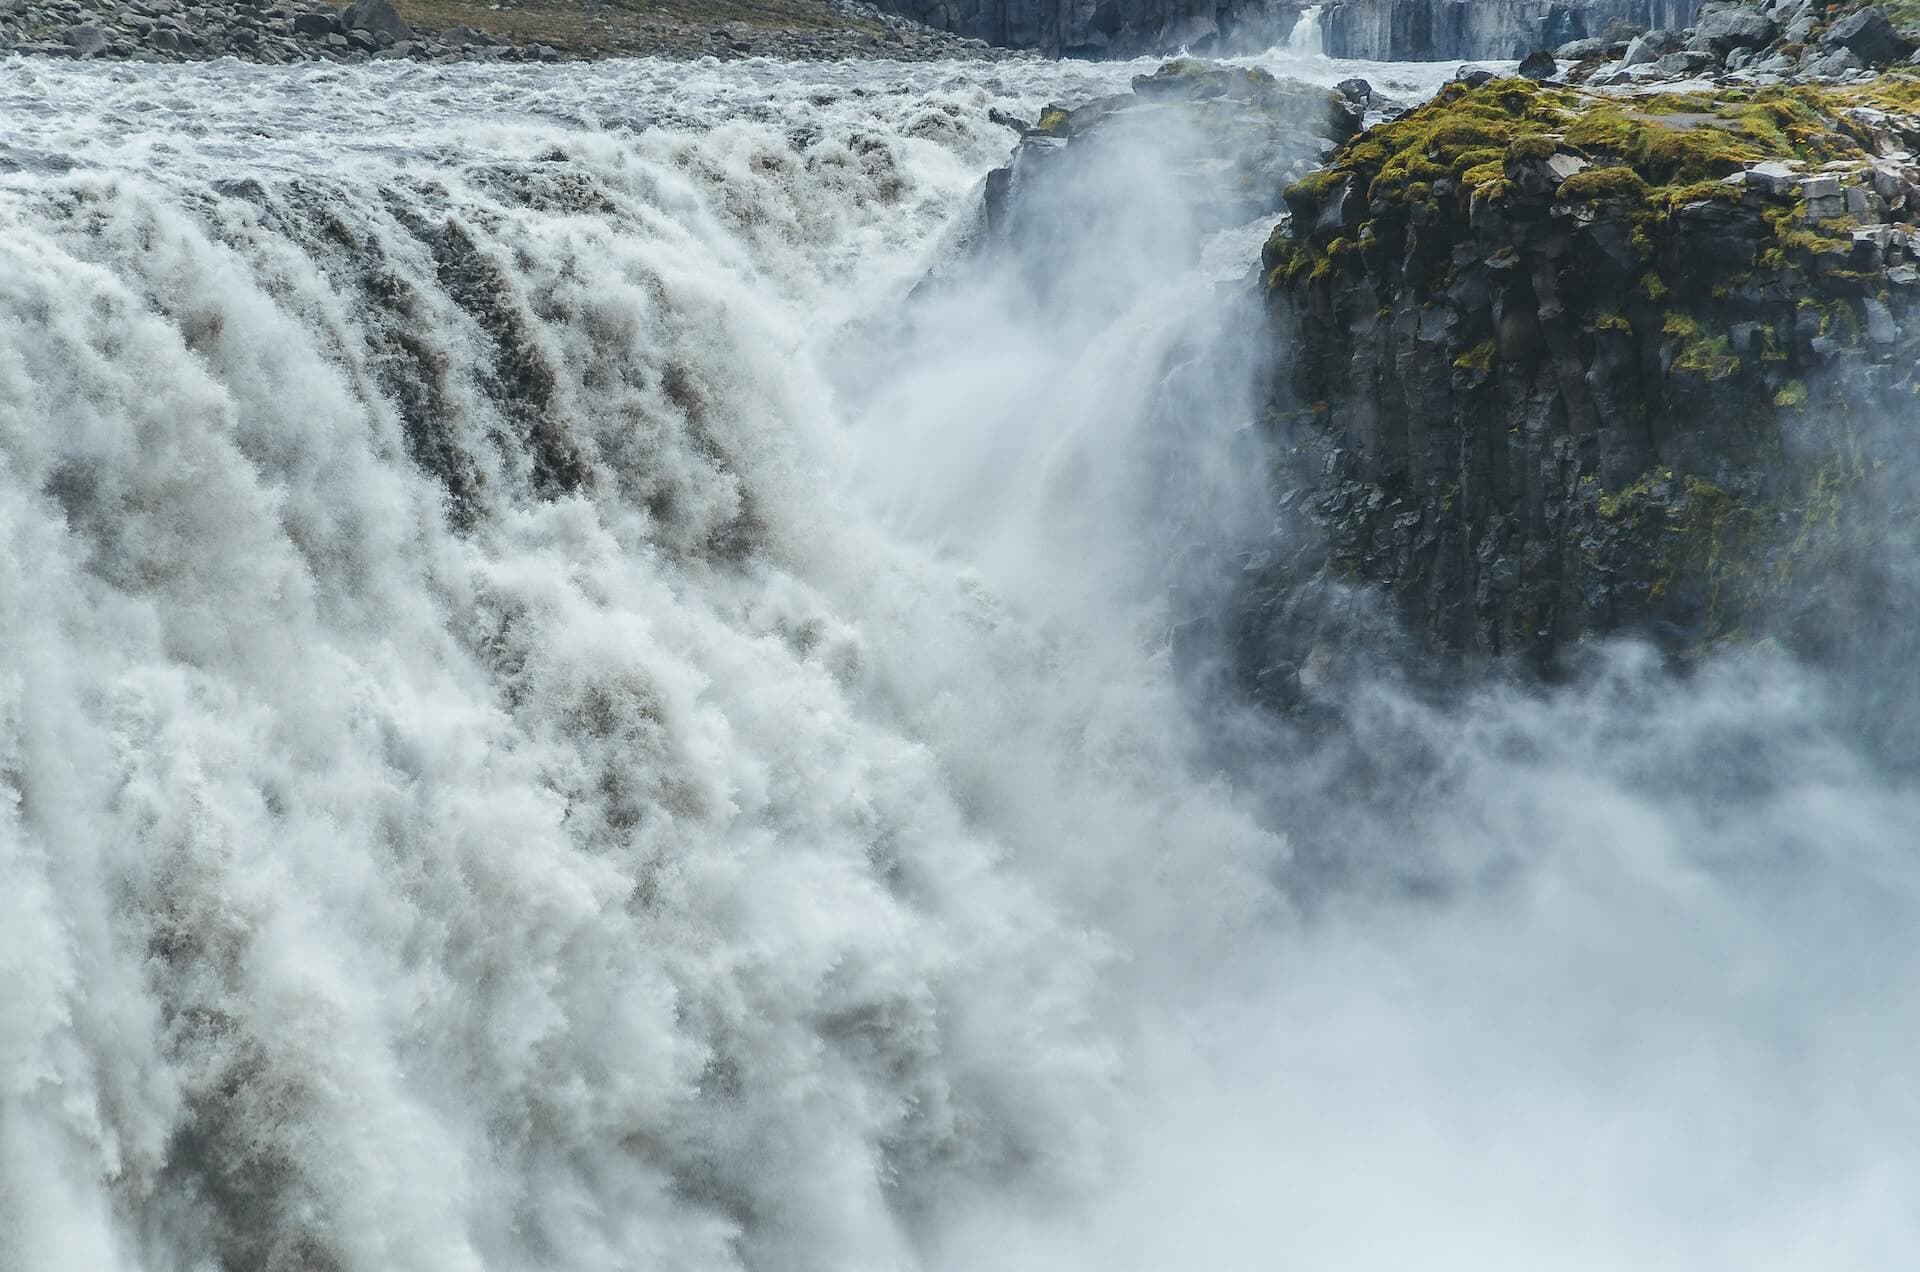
point(1305, 40)
point(551, 718)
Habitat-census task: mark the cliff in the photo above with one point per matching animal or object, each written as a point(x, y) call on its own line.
point(1553, 363)
point(1109, 28)
point(1379, 30)
point(1444, 30)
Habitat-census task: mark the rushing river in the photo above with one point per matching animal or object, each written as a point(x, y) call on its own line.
point(552, 717)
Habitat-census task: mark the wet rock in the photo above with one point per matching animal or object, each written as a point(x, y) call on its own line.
point(1536, 414)
point(1538, 65)
point(375, 17)
point(85, 41)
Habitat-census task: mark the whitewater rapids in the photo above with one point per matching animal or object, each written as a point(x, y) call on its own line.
point(552, 718)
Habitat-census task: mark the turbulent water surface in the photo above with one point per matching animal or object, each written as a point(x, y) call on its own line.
point(550, 717)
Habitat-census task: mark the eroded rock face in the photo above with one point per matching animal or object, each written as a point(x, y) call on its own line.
point(1227, 138)
point(1109, 28)
point(1583, 366)
point(1442, 30)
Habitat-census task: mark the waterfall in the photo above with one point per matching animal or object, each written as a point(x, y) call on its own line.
point(558, 711)
point(1305, 38)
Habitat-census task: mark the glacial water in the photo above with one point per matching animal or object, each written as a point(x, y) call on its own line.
point(554, 716)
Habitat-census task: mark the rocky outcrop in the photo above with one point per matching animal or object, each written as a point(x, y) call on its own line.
point(1223, 142)
point(1444, 30)
point(1110, 28)
point(1552, 363)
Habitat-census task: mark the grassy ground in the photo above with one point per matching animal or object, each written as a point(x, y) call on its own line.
point(616, 23)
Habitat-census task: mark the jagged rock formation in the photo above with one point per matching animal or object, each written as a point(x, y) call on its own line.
point(1109, 28)
point(1230, 139)
point(1553, 363)
point(1442, 30)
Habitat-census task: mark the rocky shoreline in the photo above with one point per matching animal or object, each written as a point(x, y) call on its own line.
point(284, 32)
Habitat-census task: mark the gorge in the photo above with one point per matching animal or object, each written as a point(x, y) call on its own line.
point(866, 665)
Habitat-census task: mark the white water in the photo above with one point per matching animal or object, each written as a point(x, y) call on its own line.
point(1305, 40)
point(791, 849)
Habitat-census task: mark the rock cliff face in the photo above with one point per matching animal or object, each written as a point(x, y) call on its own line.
point(1444, 30)
point(1553, 363)
point(1109, 28)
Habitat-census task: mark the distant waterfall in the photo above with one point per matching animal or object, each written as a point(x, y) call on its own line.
point(1305, 40)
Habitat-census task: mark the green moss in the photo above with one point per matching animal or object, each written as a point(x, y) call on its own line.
point(1699, 192)
point(1053, 123)
point(1698, 351)
point(1531, 147)
point(1603, 183)
point(1478, 358)
point(1484, 175)
point(1792, 395)
point(1612, 322)
point(1316, 185)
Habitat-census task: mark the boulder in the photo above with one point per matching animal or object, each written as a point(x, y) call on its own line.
point(1355, 90)
point(85, 41)
point(1683, 62)
point(1538, 65)
point(1834, 62)
point(1651, 47)
point(375, 17)
point(316, 23)
point(1725, 30)
point(1869, 36)
point(1582, 50)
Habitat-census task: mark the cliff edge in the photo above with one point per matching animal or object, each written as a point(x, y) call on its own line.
point(1552, 363)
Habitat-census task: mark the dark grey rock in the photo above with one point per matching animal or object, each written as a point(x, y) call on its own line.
point(375, 16)
point(1538, 65)
point(1582, 50)
point(1723, 30)
point(1683, 62)
point(1869, 36)
point(1831, 61)
point(316, 23)
point(85, 41)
